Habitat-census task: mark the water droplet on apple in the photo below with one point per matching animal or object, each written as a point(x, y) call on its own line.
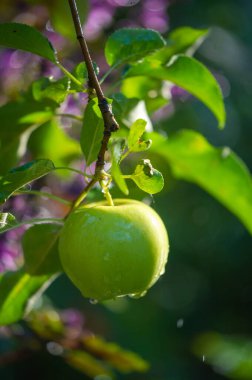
point(162, 272)
point(137, 295)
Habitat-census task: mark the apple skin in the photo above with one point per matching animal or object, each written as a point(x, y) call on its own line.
point(112, 251)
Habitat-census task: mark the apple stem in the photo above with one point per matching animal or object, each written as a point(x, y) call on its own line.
point(105, 189)
point(84, 193)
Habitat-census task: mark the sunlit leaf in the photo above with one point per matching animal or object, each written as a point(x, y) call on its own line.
point(147, 178)
point(130, 45)
point(122, 106)
point(147, 89)
point(7, 221)
point(181, 40)
point(22, 175)
point(116, 148)
point(135, 143)
point(56, 91)
point(17, 119)
point(18, 292)
point(142, 146)
point(50, 140)
point(136, 131)
point(81, 74)
point(27, 38)
point(40, 248)
point(217, 170)
point(92, 131)
point(189, 74)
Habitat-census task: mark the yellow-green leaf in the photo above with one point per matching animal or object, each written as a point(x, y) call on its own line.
point(217, 170)
point(189, 74)
point(18, 291)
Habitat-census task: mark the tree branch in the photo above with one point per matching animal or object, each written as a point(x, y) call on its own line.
point(110, 124)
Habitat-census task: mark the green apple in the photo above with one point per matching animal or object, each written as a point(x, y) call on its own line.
point(112, 251)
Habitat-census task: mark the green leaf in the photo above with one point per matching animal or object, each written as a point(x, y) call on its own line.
point(22, 175)
point(181, 40)
point(7, 221)
point(27, 38)
point(147, 89)
point(50, 140)
point(17, 117)
point(217, 170)
point(130, 45)
point(142, 146)
point(117, 147)
point(56, 91)
point(17, 120)
point(122, 107)
point(135, 144)
point(136, 131)
point(18, 292)
point(147, 178)
point(61, 18)
point(186, 37)
point(189, 74)
point(40, 248)
point(81, 74)
point(92, 131)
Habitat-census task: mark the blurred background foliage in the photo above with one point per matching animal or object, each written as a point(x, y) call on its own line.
point(196, 322)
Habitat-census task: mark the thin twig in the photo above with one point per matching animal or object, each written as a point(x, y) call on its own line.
point(83, 195)
point(79, 34)
point(110, 124)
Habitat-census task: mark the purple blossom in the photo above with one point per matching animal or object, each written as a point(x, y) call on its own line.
point(149, 13)
point(99, 18)
point(123, 3)
point(179, 93)
point(74, 104)
point(72, 318)
point(10, 250)
point(154, 15)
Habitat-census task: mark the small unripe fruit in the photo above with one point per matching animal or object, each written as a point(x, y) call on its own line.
point(112, 251)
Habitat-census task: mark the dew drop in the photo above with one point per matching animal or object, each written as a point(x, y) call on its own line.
point(225, 152)
point(162, 272)
point(54, 348)
point(152, 199)
point(93, 301)
point(137, 295)
point(180, 323)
